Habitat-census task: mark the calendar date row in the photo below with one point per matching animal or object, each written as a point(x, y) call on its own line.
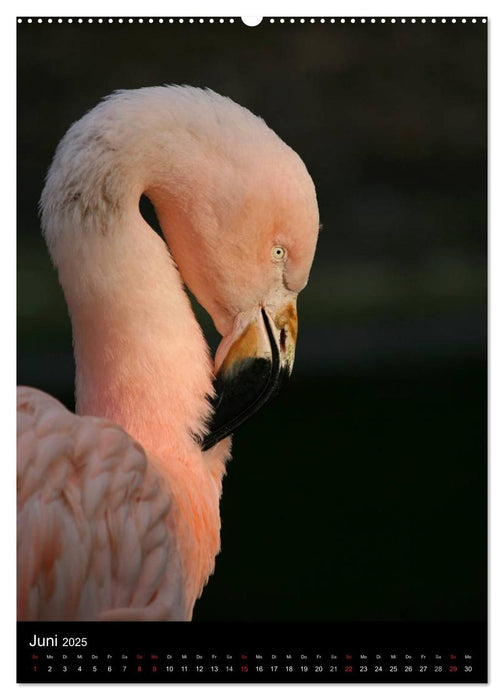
point(255, 669)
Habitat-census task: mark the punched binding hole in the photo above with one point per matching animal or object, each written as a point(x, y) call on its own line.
point(251, 21)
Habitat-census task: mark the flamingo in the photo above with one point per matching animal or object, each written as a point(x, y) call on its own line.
point(118, 504)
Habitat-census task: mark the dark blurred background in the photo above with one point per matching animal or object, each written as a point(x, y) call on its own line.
point(361, 493)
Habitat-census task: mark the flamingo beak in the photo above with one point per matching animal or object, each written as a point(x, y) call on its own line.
point(252, 365)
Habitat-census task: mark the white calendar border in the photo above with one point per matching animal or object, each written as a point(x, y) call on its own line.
point(396, 8)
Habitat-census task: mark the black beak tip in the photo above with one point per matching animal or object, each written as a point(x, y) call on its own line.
point(242, 393)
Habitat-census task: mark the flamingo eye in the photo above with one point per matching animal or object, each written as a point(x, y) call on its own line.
point(278, 253)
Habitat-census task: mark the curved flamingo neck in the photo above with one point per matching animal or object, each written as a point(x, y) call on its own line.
point(141, 359)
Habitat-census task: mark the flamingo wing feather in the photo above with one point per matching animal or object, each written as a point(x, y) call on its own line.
point(95, 539)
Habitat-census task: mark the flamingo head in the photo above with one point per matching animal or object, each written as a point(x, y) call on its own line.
point(250, 221)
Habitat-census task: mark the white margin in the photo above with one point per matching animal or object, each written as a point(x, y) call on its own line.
point(7, 362)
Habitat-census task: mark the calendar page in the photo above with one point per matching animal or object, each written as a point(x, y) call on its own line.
point(252, 349)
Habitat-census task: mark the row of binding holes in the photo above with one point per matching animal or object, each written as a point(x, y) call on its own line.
point(382, 20)
point(120, 20)
point(211, 20)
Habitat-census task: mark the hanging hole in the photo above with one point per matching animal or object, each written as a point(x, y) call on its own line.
point(251, 21)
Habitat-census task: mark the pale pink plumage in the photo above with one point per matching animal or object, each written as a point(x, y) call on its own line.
point(100, 521)
point(118, 511)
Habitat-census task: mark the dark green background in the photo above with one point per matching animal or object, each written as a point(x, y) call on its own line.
point(361, 493)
